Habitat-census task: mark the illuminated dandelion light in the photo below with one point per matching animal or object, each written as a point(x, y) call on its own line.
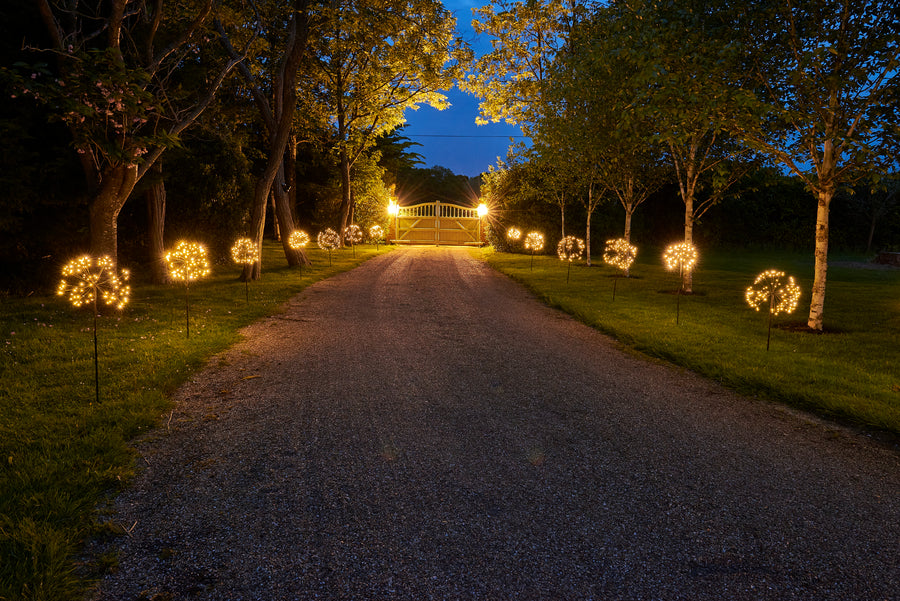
point(298, 239)
point(534, 242)
point(513, 234)
point(620, 254)
point(328, 240)
point(354, 235)
point(87, 280)
point(376, 235)
point(775, 289)
point(245, 252)
point(683, 257)
point(569, 249)
point(187, 263)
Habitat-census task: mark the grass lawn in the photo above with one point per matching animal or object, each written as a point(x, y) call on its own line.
point(851, 373)
point(61, 453)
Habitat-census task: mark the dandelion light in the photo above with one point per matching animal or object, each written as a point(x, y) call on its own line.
point(683, 257)
point(620, 254)
point(87, 280)
point(354, 235)
point(245, 252)
point(298, 239)
point(513, 234)
point(534, 242)
point(376, 235)
point(569, 249)
point(328, 240)
point(776, 291)
point(187, 263)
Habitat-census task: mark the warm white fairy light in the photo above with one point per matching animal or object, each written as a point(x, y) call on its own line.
point(328, 239)
point(87, 280)
point(244, 252)
point(619, 253)
point(534, 242)
point(188, 262)
point(681, 256)
point(353, 234)
point(376, 233)
point(514, 234)
point(298, 239)
point(570, 248)
point(775, 290)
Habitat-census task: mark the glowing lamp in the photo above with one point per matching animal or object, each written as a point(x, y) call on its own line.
point(482, 210)
point(776, 291)
point(393, 208)
point(514, 234)
point(620, 254)
point(328, 240)
point(85, 281)
point(569, 249)
point(187, 263)
point(298, 239)
point(244, 252)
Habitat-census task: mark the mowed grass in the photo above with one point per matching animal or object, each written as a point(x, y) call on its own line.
point(851, 373)
point(61, 453)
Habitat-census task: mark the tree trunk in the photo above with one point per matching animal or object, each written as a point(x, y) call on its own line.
point(687, 283)
point(284, 217)
point(115, 186)
point(285, 103)
point(290, 173)
point(629, 211)
point(817, 303)
point(156, 223)
point(345, 192)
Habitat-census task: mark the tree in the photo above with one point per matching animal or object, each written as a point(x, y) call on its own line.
point(374, 60)
point(278, 120)
point(526, 36)
point(824, 102)
point(126, 79)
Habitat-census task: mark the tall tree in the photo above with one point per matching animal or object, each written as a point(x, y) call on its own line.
point(825, 100)
point(376, 59)
point(683, 67)
point(288, 50)
point(126, 78)
point(526, 36)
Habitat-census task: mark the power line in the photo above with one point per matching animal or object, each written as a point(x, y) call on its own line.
point(405, 135)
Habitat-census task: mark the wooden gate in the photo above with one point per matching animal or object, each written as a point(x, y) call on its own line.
point(437, 223)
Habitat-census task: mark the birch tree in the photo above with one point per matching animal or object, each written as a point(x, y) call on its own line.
point(825, 99)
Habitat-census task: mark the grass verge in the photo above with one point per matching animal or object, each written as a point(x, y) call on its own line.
point(850, 373)
point(61, 453)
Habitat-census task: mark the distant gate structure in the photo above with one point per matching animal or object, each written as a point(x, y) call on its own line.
point(437, 223)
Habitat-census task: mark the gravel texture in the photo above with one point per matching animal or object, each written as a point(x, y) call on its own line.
point(422, 428)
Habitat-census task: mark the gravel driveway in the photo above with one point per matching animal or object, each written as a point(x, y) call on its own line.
point(422, 428)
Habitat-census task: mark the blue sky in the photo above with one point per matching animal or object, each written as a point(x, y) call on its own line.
point(450, 137)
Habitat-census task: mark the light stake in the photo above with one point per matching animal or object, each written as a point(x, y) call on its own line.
point(619, 253)
point(245, 252)
point(297, 240)
point(534, 242)
point(569, 249)
point(328, 240)
point(682, 256)
point(188, 263)
point(84, 281)
point(771, 287)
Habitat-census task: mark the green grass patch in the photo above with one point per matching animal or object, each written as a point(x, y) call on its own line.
point(61, 453)
point(851, 373)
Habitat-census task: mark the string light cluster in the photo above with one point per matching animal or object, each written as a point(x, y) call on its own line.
point(244, 252)
point(534, 242)
point(188, 262)
point(328, 239)
point(353, 234)
point(772, 289)
point(619, 253)
point(87, 279)
point(680, 256)
point(298, 239)
point(513, 234)
point(570, 248)
point(376, 233)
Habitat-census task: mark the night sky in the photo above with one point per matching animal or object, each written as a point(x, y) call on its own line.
point(450, 138)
